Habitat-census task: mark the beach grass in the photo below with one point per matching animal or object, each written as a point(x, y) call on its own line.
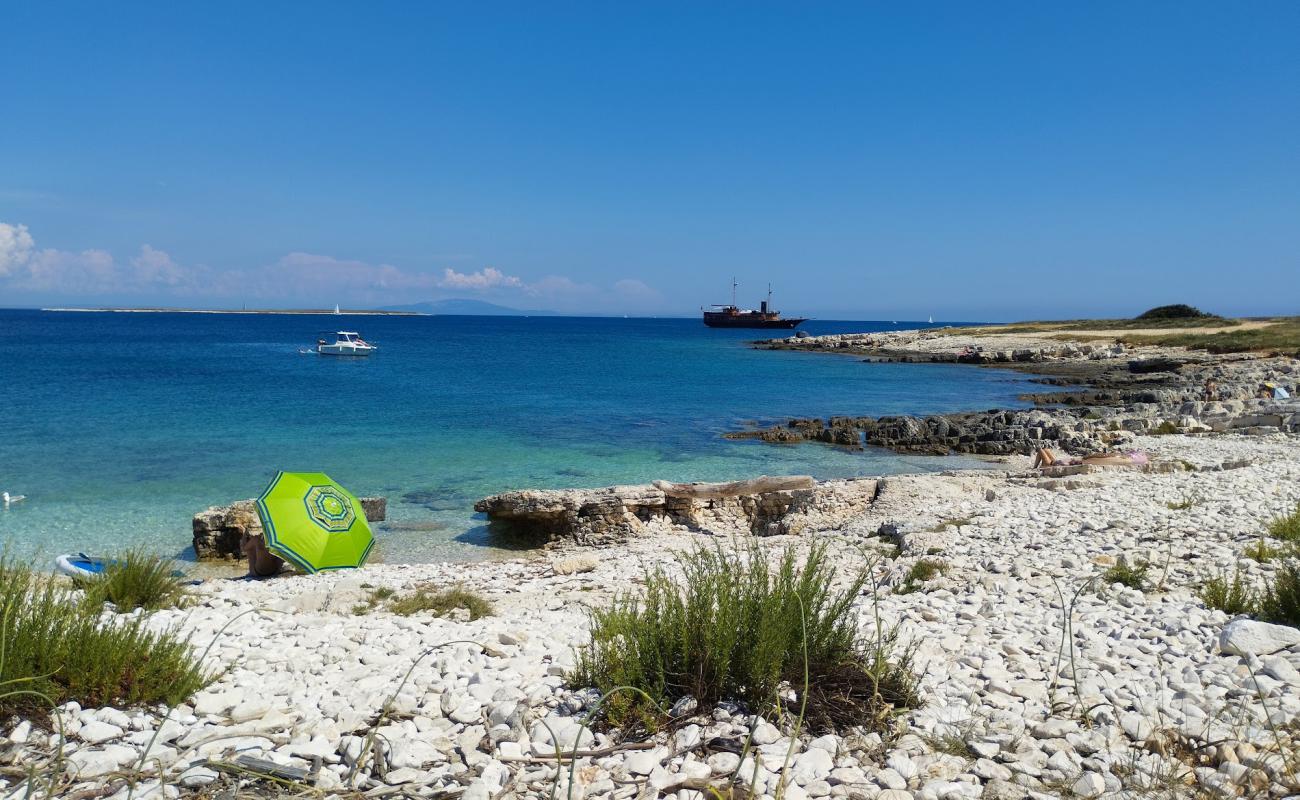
point(736, 627)
point(1279, 602)
point(442, 602)
point(1126, 573)
point(1210, 333)
point(54, 647)
point(136, 579)
point(927, 569)
point(1281, 336)
point(1231, 594)
point(1286, 528)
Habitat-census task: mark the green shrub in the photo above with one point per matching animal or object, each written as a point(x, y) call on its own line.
point(1131, 574)
point(442, 603)
point(1262, 552)
point(1286, 527)
point(53, 644)
point(927, 569)
point(1280, 600)
point(1181, 505)
point(1165, 428)
point(136, 580)
point(735, 627)
point(1231, 595)
point(1175, 311)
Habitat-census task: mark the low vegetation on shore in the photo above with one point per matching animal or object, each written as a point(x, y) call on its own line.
point(740, 629)
point(1278, 336)
point(1277, 600)
point(56, 647)
point(136, 579)
point(1187, 327)
point(439, 602)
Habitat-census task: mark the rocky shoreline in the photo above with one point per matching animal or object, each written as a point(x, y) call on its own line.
point(1040, 677)
point(1151, 684)
point(1123, 391)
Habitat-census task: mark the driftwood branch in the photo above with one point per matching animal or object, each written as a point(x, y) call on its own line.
point(713, 491)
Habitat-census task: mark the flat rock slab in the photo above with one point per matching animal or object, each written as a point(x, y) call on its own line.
point(615, 514)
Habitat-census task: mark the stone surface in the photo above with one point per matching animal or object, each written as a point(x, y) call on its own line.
point(615, 514)
point(1250, 637)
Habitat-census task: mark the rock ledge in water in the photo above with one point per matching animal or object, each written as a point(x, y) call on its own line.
point(218, 528)
point(762, 507)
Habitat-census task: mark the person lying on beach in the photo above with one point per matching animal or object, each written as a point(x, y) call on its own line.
point(1133, 458)
point(262, 563)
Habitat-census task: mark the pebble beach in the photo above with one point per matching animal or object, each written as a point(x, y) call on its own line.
point(1039, 678)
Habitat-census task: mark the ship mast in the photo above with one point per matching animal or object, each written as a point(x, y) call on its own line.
point(733, 289)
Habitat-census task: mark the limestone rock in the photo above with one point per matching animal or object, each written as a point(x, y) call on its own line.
point(600, 517)
point(1247, 636)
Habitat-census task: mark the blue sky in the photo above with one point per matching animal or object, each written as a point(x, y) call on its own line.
point(967, 160)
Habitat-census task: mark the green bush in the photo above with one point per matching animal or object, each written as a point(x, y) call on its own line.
point(136, 580)
point(442, 603)
point(1175, 311)
point(1280, 600)
point(53, 644)
point(1262, 552)
point(927, 569)
point(735, 627)
point(1286, 527)
point(1130, 574)
point(1165, 428)
point(1231, 595)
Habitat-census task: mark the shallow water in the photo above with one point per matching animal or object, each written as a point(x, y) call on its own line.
point(119, 427)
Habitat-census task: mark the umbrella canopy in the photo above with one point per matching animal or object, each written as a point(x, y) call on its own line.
point(313, 522)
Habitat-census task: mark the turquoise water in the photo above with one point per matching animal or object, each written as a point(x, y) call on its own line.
point(119, 427)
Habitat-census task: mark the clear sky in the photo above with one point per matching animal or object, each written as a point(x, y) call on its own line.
point(879, 160)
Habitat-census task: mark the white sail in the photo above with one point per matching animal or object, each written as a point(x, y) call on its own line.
point(336, 308)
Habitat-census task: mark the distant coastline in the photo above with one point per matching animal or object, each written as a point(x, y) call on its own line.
point(329, 312)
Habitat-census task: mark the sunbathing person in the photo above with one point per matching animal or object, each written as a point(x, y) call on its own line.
point(262, 563)
point(1133, 458)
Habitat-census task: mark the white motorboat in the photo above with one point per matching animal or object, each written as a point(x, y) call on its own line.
point(348, 343)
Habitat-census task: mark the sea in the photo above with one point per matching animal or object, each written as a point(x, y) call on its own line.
point(119, 427)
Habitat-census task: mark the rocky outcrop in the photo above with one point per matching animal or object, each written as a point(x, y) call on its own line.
point(1163, 391)
point(217, 529)
point(1076, 430)
point(617, 513)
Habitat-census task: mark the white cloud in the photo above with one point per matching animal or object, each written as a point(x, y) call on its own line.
point(87, 271)
point(297, 279)
point(634, 289)
point(16, 246)
point(487, 278)
point(155, 266)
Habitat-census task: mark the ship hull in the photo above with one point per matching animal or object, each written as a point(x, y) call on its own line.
point(747, 321)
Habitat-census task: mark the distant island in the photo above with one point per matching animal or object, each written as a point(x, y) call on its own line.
point(471, 308)
point(379, 312)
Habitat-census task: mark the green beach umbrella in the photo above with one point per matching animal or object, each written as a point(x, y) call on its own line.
point(313, 522)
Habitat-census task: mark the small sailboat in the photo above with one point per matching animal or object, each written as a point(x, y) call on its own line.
point(336, 309)
point(931, 319)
